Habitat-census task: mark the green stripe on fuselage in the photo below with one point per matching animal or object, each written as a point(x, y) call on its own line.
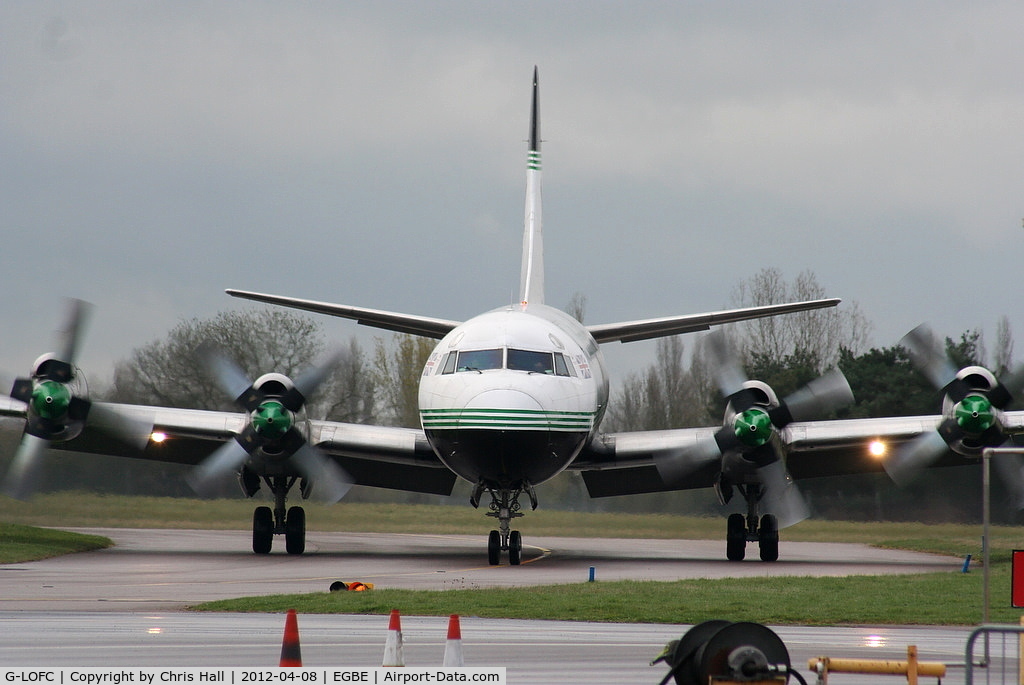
point(507, 419)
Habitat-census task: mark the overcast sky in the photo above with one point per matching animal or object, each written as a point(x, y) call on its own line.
point(153, 154)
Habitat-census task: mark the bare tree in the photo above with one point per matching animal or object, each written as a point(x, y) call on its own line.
point(397, 372)
point(1002, 358)
point(819, 333)
point(170, 372)
point(668, 394)
point(351, 392)
point(577, 308)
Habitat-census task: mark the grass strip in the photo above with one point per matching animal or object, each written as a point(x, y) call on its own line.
point(922, 599)
point(20, 543)
point(77, 509)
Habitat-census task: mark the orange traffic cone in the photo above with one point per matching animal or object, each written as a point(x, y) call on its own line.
point(453, 646)
point(291, 655)
point(393, 647)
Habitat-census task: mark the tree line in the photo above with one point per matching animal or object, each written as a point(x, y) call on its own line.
point(677, 390)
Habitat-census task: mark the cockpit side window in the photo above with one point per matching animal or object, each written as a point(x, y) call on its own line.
point(534, 362)
point(563, 368)
point(479, 360)
point(449, 363)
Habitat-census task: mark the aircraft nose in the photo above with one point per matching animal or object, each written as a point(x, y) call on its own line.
point(505, 407)
point(504, 399)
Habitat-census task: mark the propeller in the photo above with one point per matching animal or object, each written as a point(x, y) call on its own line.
point(271, 433)
point(973, 401)
point(754, 419)
point(57, 410)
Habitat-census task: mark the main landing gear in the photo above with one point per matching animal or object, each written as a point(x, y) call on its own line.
point(267, 522)
point(504, 507)
point(743, 529)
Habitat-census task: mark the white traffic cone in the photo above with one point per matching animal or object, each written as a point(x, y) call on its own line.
point(453, 646)
point(393, 647)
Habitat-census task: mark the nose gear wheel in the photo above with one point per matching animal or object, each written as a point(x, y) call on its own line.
point(504, 507)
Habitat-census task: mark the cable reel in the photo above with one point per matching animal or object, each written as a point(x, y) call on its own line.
point(725, 652)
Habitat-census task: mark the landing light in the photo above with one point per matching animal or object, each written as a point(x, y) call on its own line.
point(157, 437)
point(877, 449)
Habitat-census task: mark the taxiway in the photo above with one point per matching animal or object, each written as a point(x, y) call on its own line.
point(122, 606)
point(166, 570)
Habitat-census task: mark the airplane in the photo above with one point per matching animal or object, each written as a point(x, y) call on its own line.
point(508, 400)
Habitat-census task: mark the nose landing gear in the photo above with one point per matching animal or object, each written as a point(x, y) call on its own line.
point(504, 507)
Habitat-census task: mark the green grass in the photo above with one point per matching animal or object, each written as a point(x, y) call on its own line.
point(92, 510)
point(25, 543)
point(926, 599)
point(934, 599)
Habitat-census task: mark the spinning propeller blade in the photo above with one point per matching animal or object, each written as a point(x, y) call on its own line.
point(973, 400)
point(755, 419)
point(271, 428)
point(56, 411)
point(782, 497)
point(22, 477)
point(226, 459)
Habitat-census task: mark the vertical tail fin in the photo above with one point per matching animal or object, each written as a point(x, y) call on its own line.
point(531, 285)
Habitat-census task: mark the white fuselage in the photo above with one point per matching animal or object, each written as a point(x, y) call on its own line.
point(510, 397)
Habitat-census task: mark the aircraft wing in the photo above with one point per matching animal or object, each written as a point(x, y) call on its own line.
point(392, 321)
point(378, 456)
point(630, 331)
point(624, 463)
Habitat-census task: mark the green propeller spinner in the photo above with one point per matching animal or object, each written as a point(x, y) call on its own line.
point(271, 420)
point(753, 427)
point(50, 399)
point(974, 414)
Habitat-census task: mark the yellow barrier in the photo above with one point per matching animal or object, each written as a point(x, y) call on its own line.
point(911, 668)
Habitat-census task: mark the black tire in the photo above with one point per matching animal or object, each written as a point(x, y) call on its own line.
point(768, 538)
point(295, 531)
point(515, 548)
point(736, 538)
point(494, 548)
point(262, 530)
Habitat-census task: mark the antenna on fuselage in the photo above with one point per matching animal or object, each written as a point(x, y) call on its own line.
point(531, 284)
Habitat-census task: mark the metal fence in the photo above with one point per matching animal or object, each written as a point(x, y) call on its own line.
point(993, 653)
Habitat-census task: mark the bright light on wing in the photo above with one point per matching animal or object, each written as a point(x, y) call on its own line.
point(157, 437)
point(877, 449)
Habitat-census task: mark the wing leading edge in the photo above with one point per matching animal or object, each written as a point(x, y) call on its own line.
point(376, 456)
point(630, 331)
point(625, 331)
point(428, 327)
point(624, 463)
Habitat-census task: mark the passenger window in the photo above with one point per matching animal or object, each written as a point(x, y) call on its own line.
point(561, 367)
point(535, 362)
point(449, 363)
point(479, 360)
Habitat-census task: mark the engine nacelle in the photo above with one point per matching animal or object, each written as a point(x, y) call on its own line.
point(748, 432)
point(970, 407)
point(57, 403)
point(273, 384)
point(752, 394)
point(277, 422)
point(968, 379)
